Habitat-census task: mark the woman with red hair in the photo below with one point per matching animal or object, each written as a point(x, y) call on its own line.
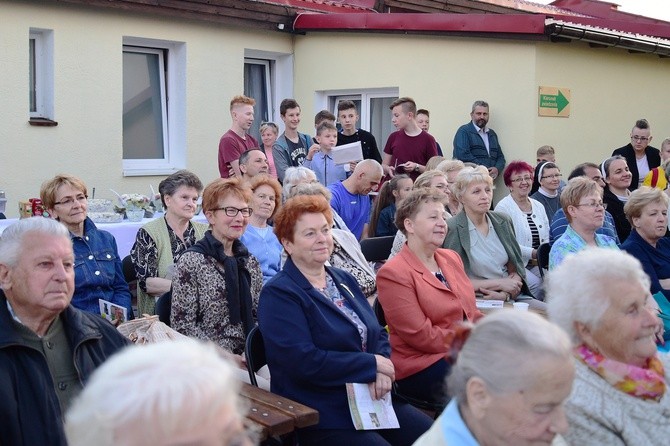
point(320, 333)
point(531, 225)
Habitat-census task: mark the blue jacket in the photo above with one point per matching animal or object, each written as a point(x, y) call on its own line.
point(312, 348)
point(654, 260)
point(98, 273)
point(469, 147)
point(30, 413)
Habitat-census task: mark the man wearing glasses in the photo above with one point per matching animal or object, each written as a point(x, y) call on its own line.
point(640, 156)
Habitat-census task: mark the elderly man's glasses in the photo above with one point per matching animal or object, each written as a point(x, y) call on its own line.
point(522, 179)
point(640, 138)
point(69, 201)
point(233, 211)
point(593, 204)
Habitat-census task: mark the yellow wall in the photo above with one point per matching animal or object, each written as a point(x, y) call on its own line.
point(610, 87)
point(610, 90)
point(88, 94)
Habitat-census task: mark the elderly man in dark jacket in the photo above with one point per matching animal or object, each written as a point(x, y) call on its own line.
point(48, 349)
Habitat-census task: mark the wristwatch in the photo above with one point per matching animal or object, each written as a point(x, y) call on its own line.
point(416, 168)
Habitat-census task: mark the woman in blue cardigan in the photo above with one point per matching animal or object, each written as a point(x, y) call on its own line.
point(647, 212)
point(320, 333)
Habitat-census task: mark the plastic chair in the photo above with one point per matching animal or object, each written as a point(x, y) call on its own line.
point(543, 258)
point(377, 249)
point(164, 307)
point(128, 269)
point(379, 312)
point(254, 352)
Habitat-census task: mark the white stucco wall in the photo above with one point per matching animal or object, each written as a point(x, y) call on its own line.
point(88, 94)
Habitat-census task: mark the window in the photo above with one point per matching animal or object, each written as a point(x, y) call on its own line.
point(40, 73)
point(268, 78)
point(373, 108)
point(257, 85)
point(154, 136)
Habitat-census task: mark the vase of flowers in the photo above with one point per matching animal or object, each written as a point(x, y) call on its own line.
point(135, 205)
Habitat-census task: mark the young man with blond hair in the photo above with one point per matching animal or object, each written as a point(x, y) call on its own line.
point(236, 140)
point(409, 148)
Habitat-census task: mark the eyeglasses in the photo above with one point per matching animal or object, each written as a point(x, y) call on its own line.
point(522, 179)
point(552, 177)
point(640, 138)
point(233, 211)
point(69, 201)
point(593, 204)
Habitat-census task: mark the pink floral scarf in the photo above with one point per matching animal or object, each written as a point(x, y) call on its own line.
point(647, 383)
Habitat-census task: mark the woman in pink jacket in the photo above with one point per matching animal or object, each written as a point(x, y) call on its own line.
point(425, 293)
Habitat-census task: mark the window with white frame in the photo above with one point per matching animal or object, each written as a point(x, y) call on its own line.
point(41, 73)
point(373, 108)
point(154, 135)
point(257, 85)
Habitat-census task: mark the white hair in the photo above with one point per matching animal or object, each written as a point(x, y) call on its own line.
point(576, 288)
point(470, 175)
point(502, 350)
point(295, 175)
point(13, 237)
point(155, 392)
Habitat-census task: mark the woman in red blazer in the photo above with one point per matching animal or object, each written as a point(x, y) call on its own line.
point(424, 292)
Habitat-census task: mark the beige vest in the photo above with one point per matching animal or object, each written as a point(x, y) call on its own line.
point(158, 231)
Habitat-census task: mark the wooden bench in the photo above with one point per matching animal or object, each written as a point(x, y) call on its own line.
point(275, 415)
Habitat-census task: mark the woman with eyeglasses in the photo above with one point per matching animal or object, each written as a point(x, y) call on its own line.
point(618, 178)
point(217, 282)
point(529, 219)
point(583, 205)
point(546, 187)
point(97, 267)
point(160, 242)
point(269, 133)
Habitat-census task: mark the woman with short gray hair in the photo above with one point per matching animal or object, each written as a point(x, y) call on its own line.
point(160, 242)
point(486, 242)
point(508, 384)
point(600, 297)
point(647, 212)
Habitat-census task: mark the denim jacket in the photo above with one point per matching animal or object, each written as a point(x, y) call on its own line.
point(97, 271)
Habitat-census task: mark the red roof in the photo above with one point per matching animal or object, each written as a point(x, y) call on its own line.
point(605, 10)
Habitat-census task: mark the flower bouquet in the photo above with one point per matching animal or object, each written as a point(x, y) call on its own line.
point(133, 206)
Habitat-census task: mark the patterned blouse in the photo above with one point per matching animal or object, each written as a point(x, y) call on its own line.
point(199, 283)
point(340, 259)
point(333, 294)
point(145, 253)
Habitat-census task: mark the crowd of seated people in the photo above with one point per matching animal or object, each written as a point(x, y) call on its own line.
point(278, 257)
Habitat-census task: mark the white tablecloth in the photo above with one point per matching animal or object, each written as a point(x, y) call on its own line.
point(124, 232)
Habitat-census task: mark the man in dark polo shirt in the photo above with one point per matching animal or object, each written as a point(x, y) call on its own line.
point(48, 348)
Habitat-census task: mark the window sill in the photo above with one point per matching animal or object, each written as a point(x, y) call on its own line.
point(42, 122)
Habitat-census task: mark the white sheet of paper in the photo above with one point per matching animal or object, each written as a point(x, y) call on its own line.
point(347, 153)
point(369, 414)
point(484, 303)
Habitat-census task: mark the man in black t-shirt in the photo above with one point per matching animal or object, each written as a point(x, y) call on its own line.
point(348, 117)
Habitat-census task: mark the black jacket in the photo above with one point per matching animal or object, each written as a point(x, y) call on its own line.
point(615, 207)
point(29, 410)
point(653, 158)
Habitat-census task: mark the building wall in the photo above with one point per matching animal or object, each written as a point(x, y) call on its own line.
point(88, 94)
point(610, 87)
